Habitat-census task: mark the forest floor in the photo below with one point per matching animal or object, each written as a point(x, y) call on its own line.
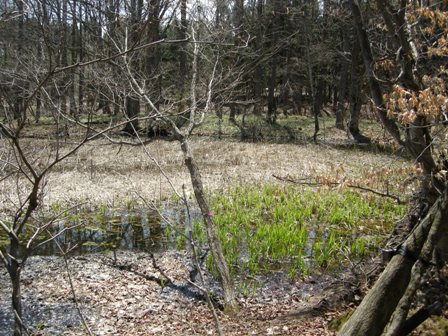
point(124, 299)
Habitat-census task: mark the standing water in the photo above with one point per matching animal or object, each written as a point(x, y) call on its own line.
point(106, 229)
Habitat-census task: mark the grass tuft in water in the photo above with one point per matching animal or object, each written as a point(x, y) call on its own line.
point(288, 228)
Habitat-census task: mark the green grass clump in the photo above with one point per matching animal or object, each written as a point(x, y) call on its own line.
point(272, 227)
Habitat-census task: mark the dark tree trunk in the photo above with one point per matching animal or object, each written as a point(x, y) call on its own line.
point(132, 104)
point(317, 105)
point(343, 82)
point(132, 109)
point(153, 54)
point(19, 89)
point(14, 270)
point(64, 97)
point(374, 86)
point(258, 77)
point(74, 57)
point(80, 47)
point(355, 95)
point(298, 100)
point(182, 51)
point(272, 96)
point(38, 107)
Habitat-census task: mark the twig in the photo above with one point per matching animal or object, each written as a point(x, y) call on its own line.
point(72, 288)
point(304, 181)
point(161, 271)
point(22, 325)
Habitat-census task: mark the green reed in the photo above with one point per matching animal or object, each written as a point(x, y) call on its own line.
point(272, 227)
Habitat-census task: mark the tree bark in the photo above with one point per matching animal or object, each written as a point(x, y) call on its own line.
point(355, 96)
point(395, 284)
point(272, 97)
point(375, 89)
point(317, 105)
point(343, 83)
point(230, 304)
point(398, 325)
point(132, 103)
point(182, 51)
point(132, 109)
point(151, 69)
point(258, 76)
point(14, 270)
point(376, 309)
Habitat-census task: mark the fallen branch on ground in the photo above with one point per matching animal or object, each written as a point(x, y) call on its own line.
point(306, 181)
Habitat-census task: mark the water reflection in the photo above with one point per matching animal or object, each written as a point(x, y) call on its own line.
point(95, 230)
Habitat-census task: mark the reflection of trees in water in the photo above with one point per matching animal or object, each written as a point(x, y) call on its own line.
point(138, 229)
point(134, 230)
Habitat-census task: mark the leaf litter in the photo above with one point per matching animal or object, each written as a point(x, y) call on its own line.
point(122, 300)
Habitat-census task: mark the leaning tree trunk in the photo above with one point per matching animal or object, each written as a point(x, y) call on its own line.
point(230, 304)
point(376, 309)
point(394, 285)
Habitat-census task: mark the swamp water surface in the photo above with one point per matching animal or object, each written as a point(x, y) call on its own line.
point(90, 231)
point(106, 229)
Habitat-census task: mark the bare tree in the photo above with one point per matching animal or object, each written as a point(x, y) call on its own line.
point(182, 136)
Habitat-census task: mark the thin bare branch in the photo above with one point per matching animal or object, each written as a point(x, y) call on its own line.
point(306, 181)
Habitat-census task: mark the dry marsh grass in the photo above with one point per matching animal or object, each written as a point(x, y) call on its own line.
point(103, 172)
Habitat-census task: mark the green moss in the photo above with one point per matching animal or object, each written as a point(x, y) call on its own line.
point(336, 323)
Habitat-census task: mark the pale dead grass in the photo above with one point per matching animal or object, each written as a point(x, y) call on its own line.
point(106, 173)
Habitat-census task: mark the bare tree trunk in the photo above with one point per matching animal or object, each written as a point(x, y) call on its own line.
point(220, 263)
point(375, 89)
point(230, 303)
point(14, 270)
point(376, 309)
point(398, 282)
point(272, 96)
point(74, 58)
point(183, 51)
point(132, 103)
point(80, 47)
point(153, 55)
point(317, 105)
point(132, 109)
point(258, 78)
point(355, 95)
point(343, 82)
